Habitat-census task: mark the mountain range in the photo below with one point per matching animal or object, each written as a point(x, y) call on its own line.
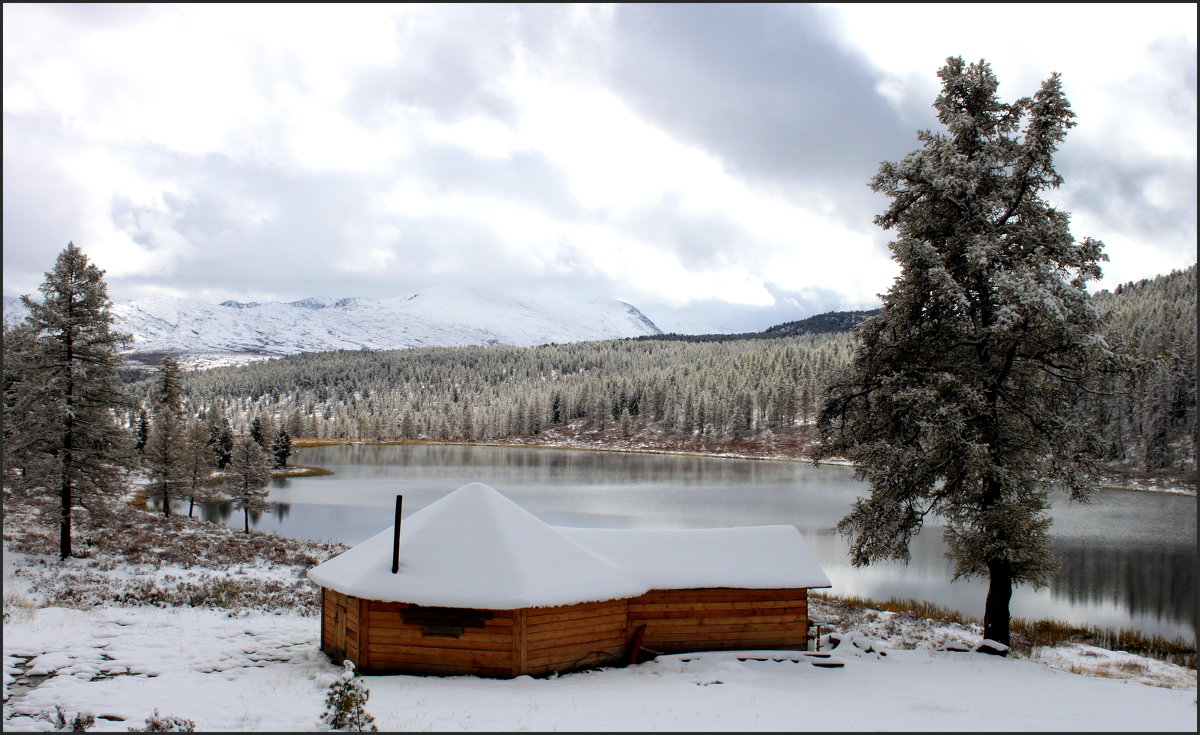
point(201, 334)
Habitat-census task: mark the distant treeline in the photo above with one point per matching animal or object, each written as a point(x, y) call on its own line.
point(827, 323)
point(687, 388)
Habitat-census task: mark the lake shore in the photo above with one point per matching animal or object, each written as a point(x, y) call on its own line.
point(184, 618)
point(789, 451)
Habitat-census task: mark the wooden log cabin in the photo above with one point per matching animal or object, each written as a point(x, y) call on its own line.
point(483, 587)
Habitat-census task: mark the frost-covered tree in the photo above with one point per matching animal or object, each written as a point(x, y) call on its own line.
point(281, 447)
point(220, 439)
point(257, 433)
point(249, 474)
point(141, 433)
point(59, 412)
point(166, 462)
point(959, 401)
point(198, 463)
point(346, 703)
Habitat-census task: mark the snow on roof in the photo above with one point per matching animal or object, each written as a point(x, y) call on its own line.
point(752, 557)
point(476, 548)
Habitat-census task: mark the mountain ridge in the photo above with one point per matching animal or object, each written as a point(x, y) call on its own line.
point(201, 334)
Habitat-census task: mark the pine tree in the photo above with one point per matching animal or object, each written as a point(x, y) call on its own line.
point(220, 439)
point(346, 703)
point(141, 433)
point(198, 462)
point(249, 474)
point(256, 433)
point(281, 447)
point(166, 463)
point(959, 400)
point(60, 419)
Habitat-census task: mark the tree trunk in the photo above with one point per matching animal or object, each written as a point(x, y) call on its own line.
point(64, 518)
point(996, 613)
point(246, 517)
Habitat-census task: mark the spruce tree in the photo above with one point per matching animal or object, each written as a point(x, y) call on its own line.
point(257, 434)
point(141, 433)
point(959, 402)
point(346, 703)
point(220, 439)
point(198, 463)
point(249, 474)
point(60, 420)
point(166, 462)
point(281, 447)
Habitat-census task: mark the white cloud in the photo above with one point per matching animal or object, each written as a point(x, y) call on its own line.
point(392, 144)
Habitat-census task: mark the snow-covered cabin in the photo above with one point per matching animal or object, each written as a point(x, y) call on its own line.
point(484, 587)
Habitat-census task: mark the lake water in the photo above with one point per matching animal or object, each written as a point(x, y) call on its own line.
point(1128, 558)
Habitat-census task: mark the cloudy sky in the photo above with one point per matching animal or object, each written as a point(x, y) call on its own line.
point(706, 163)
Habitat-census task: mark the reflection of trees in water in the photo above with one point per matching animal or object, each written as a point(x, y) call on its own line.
point(1155, 582)
point(216, 512)
point(373, 461)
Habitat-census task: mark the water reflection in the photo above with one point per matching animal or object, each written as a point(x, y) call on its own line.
point(221, 512)
point(1128, 558)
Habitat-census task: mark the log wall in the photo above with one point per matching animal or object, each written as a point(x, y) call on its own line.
point(572, 637)
point(679, 621)
point(399, 638)
point(396, 646)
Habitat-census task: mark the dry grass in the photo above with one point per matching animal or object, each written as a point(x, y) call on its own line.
point(135, 557)
point(18, 608)
point(1026, 634)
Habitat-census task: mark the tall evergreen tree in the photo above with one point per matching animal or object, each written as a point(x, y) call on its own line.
point(220, 439)
point(257, 433)
point(198, 463)
point(141, 433)
point(959, 401)
point(60, 417)
point(249, 474)
point(166, 462)
point(281, 447)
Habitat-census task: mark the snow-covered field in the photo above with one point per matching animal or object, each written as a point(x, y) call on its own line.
point(263, 672)
point(240, 662)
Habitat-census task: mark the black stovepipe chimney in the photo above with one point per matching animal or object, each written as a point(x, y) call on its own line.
point(396, 536)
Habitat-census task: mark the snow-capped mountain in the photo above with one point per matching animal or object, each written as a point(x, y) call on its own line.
point(199, 333)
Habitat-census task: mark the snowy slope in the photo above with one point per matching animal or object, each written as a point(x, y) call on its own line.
point(203, 333)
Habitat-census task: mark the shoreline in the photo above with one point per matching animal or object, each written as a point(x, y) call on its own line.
point(1106, 483)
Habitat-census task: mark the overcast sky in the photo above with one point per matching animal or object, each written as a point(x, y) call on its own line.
point(706, 163)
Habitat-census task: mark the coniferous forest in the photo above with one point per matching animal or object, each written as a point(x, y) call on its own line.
point(755, 396)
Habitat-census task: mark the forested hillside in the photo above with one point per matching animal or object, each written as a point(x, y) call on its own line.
point(1150, 418)
point(749, 394)
point(732, 390)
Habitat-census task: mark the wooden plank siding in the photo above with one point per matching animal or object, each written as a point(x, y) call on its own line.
point(569, 637)
point(542, 641)
point(679, 621)
point(398, 647)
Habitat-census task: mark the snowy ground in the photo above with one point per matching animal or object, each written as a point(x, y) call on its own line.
point(263, 672)
point(111, 637)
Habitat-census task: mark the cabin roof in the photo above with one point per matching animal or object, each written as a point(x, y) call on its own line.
point(476, 548)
